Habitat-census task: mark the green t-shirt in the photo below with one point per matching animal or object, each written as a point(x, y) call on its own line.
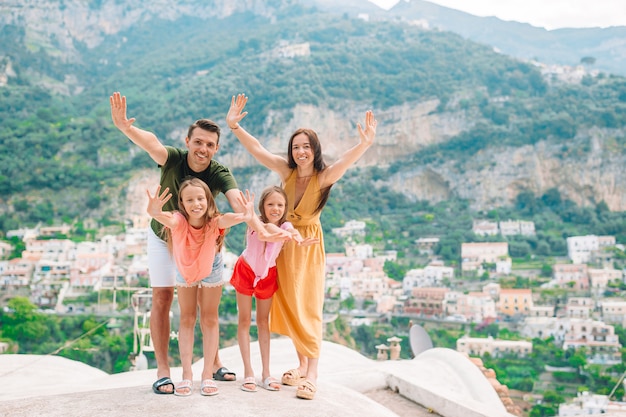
point(176, 170)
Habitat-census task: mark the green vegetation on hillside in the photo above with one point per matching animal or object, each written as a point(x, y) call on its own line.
point(52, 143)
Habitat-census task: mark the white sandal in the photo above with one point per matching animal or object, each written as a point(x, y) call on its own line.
point(267, 384)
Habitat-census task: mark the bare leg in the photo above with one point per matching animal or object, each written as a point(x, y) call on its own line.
point(244, 305)
point(263, 329)
point(188, 301)
point(160, 329)
point(311, 372)
point(308, 387)
point(209, 323)
point(303, 364)
point(217, 363)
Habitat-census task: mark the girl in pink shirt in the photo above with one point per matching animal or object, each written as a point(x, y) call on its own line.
point(195, 234)
point(254, 274)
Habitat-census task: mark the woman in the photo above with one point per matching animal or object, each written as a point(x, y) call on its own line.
point(298, 304)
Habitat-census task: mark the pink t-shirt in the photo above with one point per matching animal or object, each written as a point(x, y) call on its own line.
point(260, 255)
point(194, 249)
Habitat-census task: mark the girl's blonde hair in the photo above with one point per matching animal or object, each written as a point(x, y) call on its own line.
point(264, 195)
point(211, 213)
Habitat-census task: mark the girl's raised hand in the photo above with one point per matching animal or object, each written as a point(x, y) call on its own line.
point(156, 202)
point(235, 112)
point(247, 202)
point(368, 134)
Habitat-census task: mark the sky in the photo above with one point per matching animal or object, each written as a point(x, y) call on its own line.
point(549, 14)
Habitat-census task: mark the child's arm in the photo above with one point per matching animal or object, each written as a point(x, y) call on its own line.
point(302, 241)
point(293, 234)
point(275, 233)
point(155, 208)
point(246, 201)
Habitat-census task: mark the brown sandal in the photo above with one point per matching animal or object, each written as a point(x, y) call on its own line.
point(306, 390)
point(292, 377)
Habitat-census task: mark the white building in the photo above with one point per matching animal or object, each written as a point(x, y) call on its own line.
point(359, 251)
point(517, 227)
point(475, 254)
point(53, 249)
point(431, 276)
point(599, 279)
point(570, 276)
point(5, 249)
point(613, 311)
point(476, 307)
point(598, 338)
point(580, 248)
point(544, 327)
point(485, 228)
point(479, 346)
point(351, 228)
point(579, 307)
point(426, 245)
point(592, 404)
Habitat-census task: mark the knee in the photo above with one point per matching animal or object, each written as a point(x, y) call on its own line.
point(244, 322)
point(207, 321)
point(262, 322)
point(162, 299)
point(187, 320)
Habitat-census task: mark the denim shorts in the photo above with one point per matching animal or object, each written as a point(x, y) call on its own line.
point(216, 278)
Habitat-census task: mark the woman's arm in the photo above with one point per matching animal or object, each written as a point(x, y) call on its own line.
point(274, 162)
point(155, 208)
point(334, 172)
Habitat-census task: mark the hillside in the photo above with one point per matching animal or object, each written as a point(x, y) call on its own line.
point(456, 119)
point(606, 47)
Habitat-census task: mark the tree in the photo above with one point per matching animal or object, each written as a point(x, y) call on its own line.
point(587, 60)
point(23, 324)
point(394, 271)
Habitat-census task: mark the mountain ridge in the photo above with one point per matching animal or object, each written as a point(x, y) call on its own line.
point(448, 108)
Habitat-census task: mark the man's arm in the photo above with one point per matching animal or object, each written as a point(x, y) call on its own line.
point(142, 138)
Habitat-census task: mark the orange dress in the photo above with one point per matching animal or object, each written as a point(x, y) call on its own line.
point(298, 304)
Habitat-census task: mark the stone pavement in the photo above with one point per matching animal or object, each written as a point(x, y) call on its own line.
point(349, 385)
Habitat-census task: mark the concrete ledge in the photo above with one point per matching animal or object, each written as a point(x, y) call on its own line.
point(446, 382)
point(438, 379)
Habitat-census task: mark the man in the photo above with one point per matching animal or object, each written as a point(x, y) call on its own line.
point(202, 143)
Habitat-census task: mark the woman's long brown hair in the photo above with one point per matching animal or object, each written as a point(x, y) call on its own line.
point(318, 161)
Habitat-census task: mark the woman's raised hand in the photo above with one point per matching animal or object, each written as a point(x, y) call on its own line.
point(235, 112)
point(368, 134)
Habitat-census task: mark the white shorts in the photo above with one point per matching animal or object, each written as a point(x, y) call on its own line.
point(162, 268)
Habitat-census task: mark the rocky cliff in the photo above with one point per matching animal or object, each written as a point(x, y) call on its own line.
point(587, 170)
point(58, 27)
